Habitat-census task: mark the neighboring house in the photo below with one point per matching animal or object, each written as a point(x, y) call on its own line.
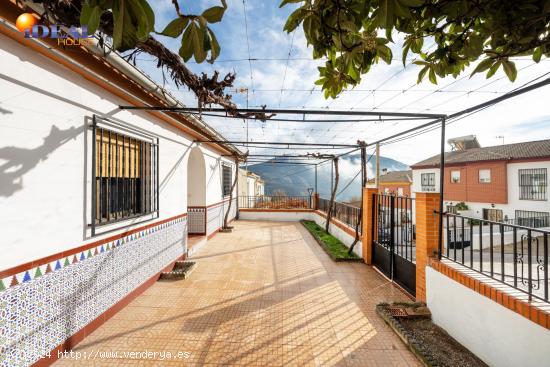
point(395, 182)
point(501, 183)
point(250, 184)
point(96, 201)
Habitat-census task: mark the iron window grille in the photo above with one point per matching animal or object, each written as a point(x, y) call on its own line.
point(532, 219)
point(533, 184)
point(226, 173)
point(125, 176)
point(428, 181)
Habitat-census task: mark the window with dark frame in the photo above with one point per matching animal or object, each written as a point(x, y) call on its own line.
point(428, 181)
point(125, 176)
point(533, 184)
point(226, 173)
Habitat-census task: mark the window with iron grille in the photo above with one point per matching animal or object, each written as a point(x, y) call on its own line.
point(428, 181)
point(226, 172)
point(532, 219)
point(125, 173)
point(533, 184)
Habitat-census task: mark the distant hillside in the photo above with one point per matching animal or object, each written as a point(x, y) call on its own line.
point(295, 179)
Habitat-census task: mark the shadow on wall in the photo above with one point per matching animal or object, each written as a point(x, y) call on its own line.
point(19, 161)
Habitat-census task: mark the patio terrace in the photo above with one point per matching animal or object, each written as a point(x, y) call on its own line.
point(264, 295)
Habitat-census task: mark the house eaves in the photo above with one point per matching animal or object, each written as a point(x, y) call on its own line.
point(526, 151)
point(151, 93)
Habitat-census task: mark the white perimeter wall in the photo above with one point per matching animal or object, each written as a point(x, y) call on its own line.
point(45, 156)
point(336, 231)
point(497, 335)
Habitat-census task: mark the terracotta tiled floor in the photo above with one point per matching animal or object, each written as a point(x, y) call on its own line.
point(264, 295)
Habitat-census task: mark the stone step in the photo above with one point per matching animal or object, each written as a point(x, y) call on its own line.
point(181, 270)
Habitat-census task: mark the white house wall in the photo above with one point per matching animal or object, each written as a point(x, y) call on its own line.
point(45, 196)
point(497, 335)
point(46, 180)
point(513, 189)
point(417, 182)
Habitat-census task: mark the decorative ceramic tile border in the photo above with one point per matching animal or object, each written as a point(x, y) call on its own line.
point(215, 214)
point(55, 262)
point(44, 306)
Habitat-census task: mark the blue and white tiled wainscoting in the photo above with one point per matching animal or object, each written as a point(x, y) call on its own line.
point(216, 214)
point(42, 307)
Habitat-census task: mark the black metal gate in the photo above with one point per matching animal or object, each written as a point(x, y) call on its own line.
point(394, 245)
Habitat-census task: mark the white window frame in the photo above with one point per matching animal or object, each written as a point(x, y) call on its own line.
point(482, 179)
point(455, 179)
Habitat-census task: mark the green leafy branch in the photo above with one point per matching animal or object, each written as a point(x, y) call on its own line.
point(134, 21)
point(198, 39)
point(353, 35)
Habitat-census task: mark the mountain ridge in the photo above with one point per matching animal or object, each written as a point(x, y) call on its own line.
point(294, 180)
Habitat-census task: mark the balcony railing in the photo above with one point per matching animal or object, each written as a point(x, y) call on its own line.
point(275, 202)
point(512, 254)
point(345, 213)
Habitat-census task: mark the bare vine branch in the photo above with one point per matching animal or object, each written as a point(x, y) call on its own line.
point(208, 89)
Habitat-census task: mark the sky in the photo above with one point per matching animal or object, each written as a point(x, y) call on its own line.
point(282, 75)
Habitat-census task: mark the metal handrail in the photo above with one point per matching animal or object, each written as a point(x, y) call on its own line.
point(494, 222)
point(517, 258)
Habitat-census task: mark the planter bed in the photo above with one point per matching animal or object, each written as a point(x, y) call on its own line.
point(330, 244)
point(432, 345)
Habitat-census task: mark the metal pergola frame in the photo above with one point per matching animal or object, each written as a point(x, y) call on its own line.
point(435, 118)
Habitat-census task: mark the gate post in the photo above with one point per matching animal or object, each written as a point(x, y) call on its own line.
point(392, 236)
point(427, 237)
point(368, 223)
point(315, 204)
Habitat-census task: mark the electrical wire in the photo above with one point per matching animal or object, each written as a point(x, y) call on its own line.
point(286, 67)
point(450, 121)
point(248, 48)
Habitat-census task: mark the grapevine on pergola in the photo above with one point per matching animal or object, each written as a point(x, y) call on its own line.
point(130, 25)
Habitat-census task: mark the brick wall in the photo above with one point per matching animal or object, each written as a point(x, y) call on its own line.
point(427, 231)
point(367, 223)
point(394, 188)
point(469, 189)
